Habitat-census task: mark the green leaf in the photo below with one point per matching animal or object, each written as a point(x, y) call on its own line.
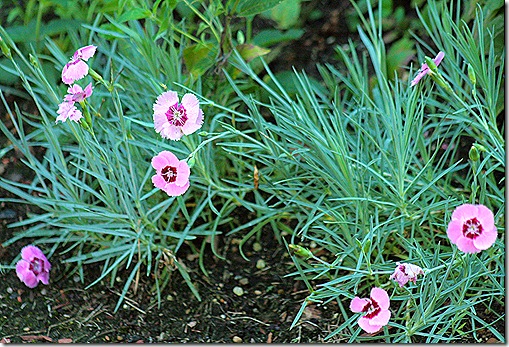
point(250, 51)
point(286, 14)
point(199, 58)
point(252, 7)
point(134, 14)
point(271, 37)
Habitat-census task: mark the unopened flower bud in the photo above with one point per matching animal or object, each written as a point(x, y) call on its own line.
point(473, 154)
point(33, 60)
point(479, 147)
point(431, 64)
point(471, 74)
point(5, 50)
point(301, 251)
point(191, 162)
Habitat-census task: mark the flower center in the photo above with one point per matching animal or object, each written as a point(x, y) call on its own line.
point(176, 115)
point(169, 174)
point(36, 266)
point(472, 228)
point(372, 308)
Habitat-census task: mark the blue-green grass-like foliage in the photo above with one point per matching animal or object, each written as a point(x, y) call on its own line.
point(370, 169)
point(94, 190)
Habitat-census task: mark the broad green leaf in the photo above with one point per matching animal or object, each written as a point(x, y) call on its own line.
point(134, 14)
point(199, 58)
point(286, 14)
point(250, 51)
point(271, 37)
point(252, 7)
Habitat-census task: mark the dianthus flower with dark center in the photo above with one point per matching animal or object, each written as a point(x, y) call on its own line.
point(169, 174)
point(33, 267)
point(172, 174)
point(173, 119)
point(176, 115)
point(472, 228)
point(372, 308)
point(376, 309)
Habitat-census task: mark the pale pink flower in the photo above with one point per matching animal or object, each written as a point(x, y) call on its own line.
point(376, 310)
point(406, 272)
point(425, 69)
point(173, 119)
point(472, 228)
point(67, 110)
point(77, 94)
point(172, 174)
point(33, 267)
point(76, 68)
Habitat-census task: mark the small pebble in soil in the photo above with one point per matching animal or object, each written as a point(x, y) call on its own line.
point(237, 339)
point(238, 291)
point(26, 329)
point(257, 247)
point(243, 281)
point(260, 264)
point(258, 292)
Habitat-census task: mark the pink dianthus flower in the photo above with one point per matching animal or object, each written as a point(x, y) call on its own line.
point(472, 228)
point(33, 267)
point(425, 69)
point(67, 110)
point(406, 272)
point(172, 174)
point(173, 119)
point(76, 69)
point(376, 310)
point(77, 94)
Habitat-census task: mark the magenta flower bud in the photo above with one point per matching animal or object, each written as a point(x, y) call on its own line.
point(33, 267)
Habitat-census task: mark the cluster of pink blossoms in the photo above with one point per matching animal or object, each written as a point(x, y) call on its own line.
point(172, 120)
point(472, 229)
point(73, 71)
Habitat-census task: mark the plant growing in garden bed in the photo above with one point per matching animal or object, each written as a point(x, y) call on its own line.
point(366, 168)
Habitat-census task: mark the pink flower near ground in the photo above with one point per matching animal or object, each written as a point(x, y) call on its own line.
point(173, 119)
point(406, 272)
point(67, 110)
point(425, 69)
point(376, 310)
point(472, 228)
point(77, 94)
point(76, 69)
point(172, 174)
point(33, 267)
